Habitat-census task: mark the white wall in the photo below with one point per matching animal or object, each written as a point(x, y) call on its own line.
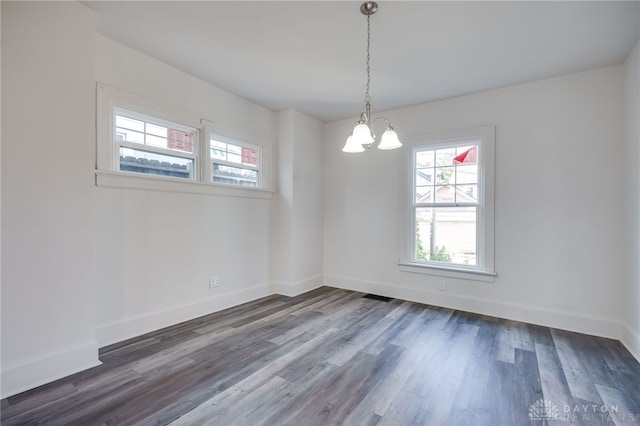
point(631, 291)
point(48, 212)
point(558, 196)
point(297, 260)
point(155, 251)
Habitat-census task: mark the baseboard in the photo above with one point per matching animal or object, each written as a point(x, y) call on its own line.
point(570, 321)
point(630, 338)
point(298, 287)
point(127, 328)
point(27, 374)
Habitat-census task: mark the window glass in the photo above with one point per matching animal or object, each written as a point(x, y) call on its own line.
point(446, 203)
point(139, 161)
point(234, 175)
point(146, 146)
point(147, 133)
point(446, 234)
point(235, 163)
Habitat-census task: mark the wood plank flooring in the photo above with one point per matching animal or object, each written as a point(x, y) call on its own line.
point(332, 357)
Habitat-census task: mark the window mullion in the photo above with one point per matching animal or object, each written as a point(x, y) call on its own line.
point(205, 153)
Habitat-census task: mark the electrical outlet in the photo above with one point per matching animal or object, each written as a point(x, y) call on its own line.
point(214, 281)
point(441, 285)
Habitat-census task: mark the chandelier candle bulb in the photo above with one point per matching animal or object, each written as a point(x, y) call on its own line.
point(362, 135)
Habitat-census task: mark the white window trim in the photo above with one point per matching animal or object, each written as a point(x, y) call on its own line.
point(485, 271)
point(107, 157)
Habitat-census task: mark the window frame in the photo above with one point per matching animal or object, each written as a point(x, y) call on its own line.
point(147, 119)
point(208, 173)
point(484, 270)
point(110, 99)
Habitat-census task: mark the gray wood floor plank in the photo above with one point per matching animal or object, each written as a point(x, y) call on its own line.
point(578, 376)
point(380, 397)
point(370, 331)
point(232, 321)
point(333, 357)
point(403, 410)
point(528, 387)
point(470, 405)
point(616, 408)
point(441, 376)
point(555, 388)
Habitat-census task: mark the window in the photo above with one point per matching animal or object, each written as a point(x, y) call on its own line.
point(450, 200)
point(143, 144)
point(234, 163)
point(152, 146)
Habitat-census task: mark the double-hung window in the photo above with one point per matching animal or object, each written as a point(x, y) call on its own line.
point(153, 146)
point(450, 201)
point(234, 162)
point(146, 145)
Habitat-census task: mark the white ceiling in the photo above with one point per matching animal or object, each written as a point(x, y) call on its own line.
point(310, 56)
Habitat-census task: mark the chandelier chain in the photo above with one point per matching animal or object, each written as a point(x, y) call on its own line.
point(367, 98)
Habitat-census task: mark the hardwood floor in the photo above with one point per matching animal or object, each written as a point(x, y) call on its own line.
point(335, 357)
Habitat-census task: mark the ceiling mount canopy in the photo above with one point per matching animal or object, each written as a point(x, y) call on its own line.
point(362, 135)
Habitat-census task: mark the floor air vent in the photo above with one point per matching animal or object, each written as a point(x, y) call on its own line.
point(376, 297)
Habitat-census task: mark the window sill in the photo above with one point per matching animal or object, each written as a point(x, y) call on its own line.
point(109, 179)
point(447, 271)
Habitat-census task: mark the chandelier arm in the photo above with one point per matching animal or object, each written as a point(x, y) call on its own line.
point(383, 118)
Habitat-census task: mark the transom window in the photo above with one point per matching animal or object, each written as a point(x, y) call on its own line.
point(147, 145)
point(234, 163)
point(152, 146)
point(451, 201)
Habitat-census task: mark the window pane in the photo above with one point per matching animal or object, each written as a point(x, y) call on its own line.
point(424, 194)
point(446, 234)
point(444, 157)
point(234, 158)
point(234, 175)
point(145, 133)
point(179, 140)
point(234, 149)
point(156, 141)
point(250, 156)
point(123, 134)
point(466, 193)
point(217, 154)
point(424, 177)
point(424, 158)
point(133, 160)
point(445, 194)
point(445, 175)
point(466, 154)
point(129, 123)
point(218, 145)
point(153, 129)
point(467, 174)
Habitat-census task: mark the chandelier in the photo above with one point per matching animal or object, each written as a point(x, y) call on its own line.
point(362, 135)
